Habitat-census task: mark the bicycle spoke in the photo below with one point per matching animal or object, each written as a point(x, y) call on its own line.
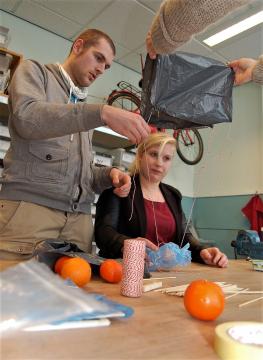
point(126, 104)
point(125, 101)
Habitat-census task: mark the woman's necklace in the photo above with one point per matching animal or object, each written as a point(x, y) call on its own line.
point(155, 196)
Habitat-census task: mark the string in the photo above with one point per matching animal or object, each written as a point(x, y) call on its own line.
point(133, 195)
point(135, 172)
point(218, 155)
point(134, 186)
point(194, 200)
point(153, 207)
point(187, 222)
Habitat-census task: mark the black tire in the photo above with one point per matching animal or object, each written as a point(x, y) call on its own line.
point(125, 100)
point(190, 152)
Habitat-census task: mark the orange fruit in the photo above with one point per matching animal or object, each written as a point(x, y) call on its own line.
point(111, 271)
point(59, 264)
point(78, 270)
point(204, 300)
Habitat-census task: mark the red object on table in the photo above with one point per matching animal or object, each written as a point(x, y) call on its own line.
point(253, 210)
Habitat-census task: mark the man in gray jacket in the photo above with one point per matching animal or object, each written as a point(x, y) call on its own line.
point(48, 180)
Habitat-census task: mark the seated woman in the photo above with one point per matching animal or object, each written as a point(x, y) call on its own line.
point(151, 210)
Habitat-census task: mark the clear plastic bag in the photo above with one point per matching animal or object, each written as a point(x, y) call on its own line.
point(32, 294)
point(168, 256)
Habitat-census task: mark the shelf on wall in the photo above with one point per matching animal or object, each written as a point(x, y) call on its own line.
point(3, 107)
point(16, 58)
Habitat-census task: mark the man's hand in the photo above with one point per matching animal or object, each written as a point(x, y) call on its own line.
point(121, 182)
point(149, 45)
point(243, 69)
point(213, 256)
point(126, 123)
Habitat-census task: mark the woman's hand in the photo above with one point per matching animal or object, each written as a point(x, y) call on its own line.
point(149, 244)
point(213, 256)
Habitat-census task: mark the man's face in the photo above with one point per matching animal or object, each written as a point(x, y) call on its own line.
point(89, 63)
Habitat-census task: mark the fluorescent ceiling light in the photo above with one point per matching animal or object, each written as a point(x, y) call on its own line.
point(235, 29)
point(107, 130)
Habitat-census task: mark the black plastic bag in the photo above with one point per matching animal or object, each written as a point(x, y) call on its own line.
point(184, 90)
point(49, 251)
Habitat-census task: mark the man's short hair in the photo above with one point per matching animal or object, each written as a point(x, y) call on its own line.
point(91, 37)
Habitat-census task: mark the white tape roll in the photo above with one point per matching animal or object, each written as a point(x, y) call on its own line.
point(239, 340)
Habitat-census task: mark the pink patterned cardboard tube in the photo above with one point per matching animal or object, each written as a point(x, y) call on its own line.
point(133, 267)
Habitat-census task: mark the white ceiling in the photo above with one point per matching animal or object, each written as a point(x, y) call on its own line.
point(127, 22)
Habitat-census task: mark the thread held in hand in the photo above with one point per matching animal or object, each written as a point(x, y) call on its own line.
point(133, 267)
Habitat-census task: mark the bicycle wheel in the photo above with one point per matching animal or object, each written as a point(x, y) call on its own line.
point(125, 100)
point(189, 146)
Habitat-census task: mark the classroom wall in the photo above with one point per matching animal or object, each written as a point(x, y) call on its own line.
point(231, 171)
point(233, 156)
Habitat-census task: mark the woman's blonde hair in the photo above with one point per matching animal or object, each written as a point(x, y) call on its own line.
point(155, 139)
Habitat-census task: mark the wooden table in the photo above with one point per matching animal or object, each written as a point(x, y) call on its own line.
point(159, 329)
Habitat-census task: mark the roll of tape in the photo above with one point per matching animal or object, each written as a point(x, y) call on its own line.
point(239, 340)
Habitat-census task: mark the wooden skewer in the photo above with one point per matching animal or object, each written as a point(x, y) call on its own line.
point(177, 293)
point(237, 293)
point(227, 289)
point(173, 288)
point(249, 302)
point(160, 278)
point(152, 286)
point(244, 292)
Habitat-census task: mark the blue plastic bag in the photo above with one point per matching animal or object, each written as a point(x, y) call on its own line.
point(168, 256)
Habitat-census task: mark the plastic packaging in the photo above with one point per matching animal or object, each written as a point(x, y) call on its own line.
point(168, 256)
point(184, 90)
point(32, 294)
